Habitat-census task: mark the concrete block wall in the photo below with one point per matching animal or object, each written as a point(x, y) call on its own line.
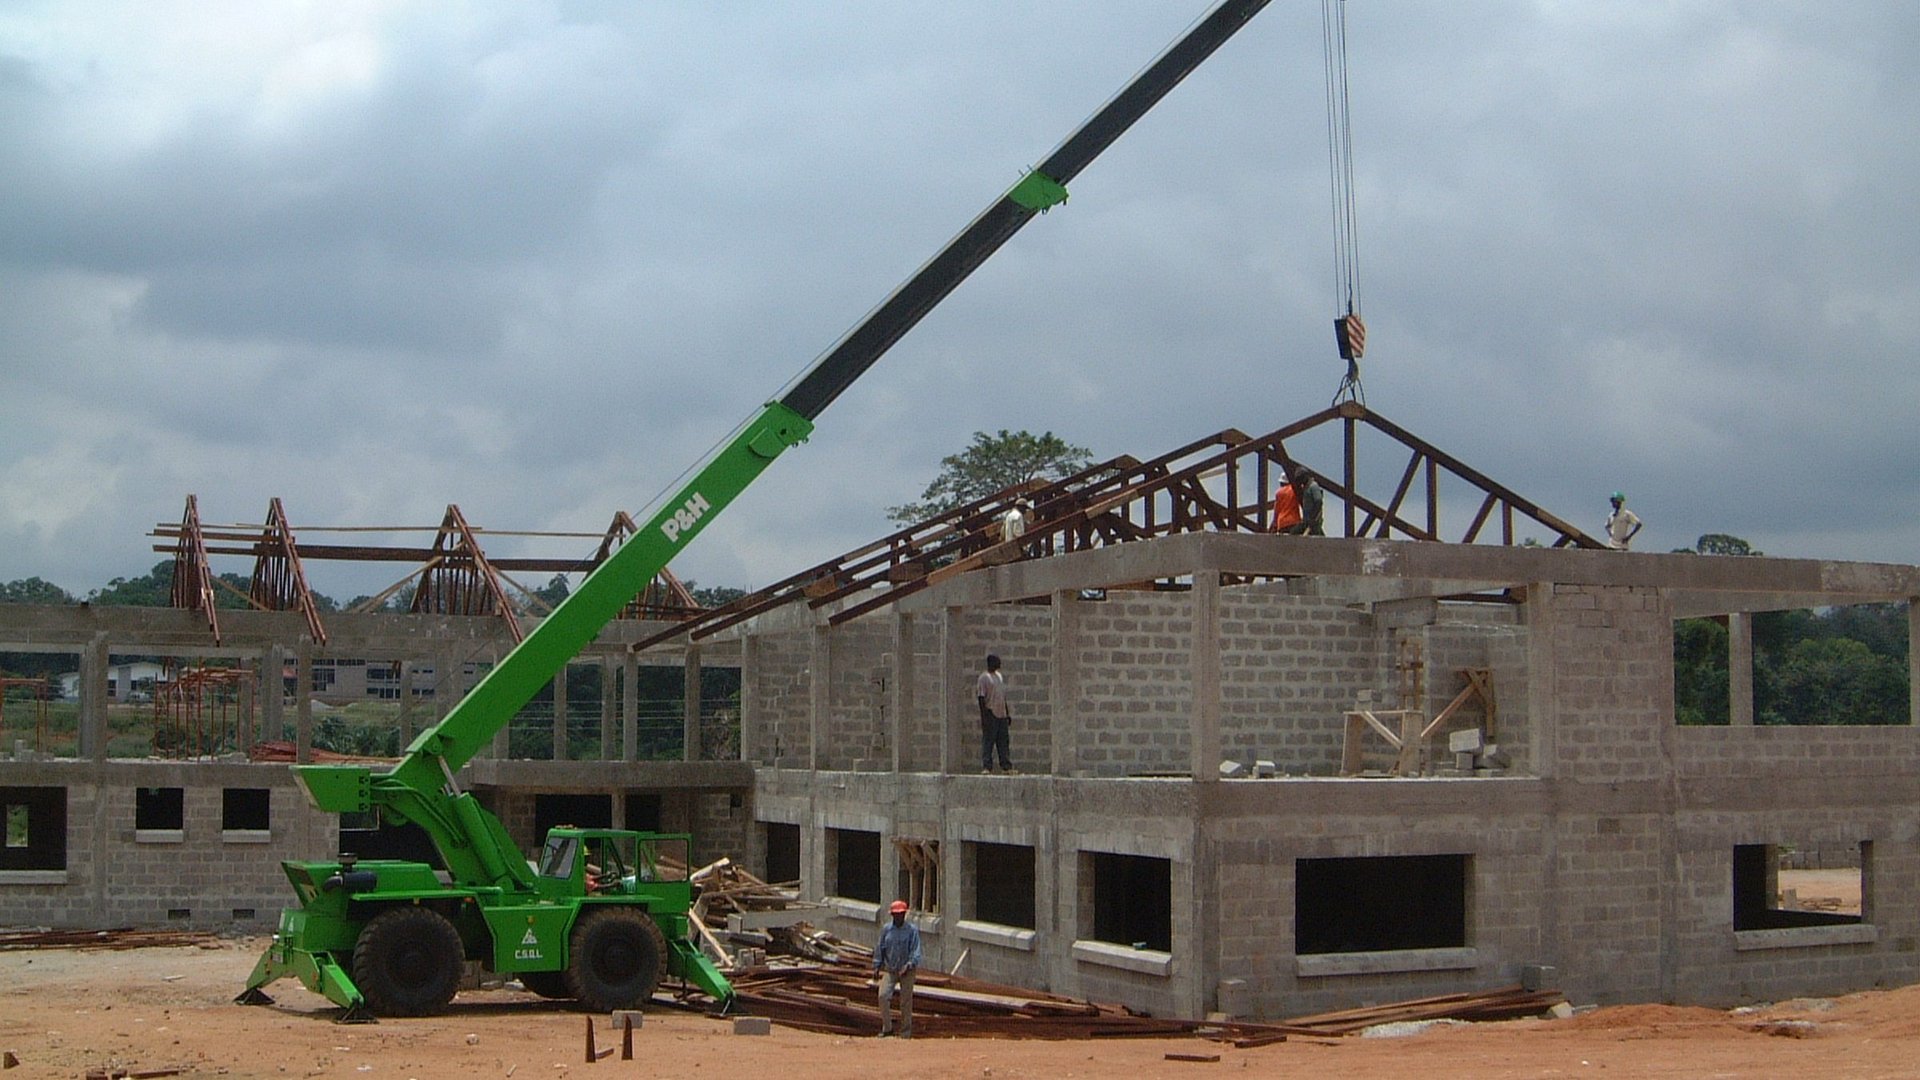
point(1611, 651)
point(860, 665)
point(1022, 637)
point(920, 735)
point(1136, 685)
point(1291, 667)
point(780, 685)
point(206, 879)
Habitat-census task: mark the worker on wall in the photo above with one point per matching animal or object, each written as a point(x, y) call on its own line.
point(1622, 524)
point(895, 959)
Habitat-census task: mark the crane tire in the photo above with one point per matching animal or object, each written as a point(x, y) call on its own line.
point(408, 962)
point(615, 958)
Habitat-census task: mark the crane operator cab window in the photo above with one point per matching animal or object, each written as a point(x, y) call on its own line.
point(613, 862)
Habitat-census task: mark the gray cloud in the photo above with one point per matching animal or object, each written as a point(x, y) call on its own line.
point(536, 259)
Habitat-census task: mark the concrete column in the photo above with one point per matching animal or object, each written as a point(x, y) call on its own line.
point(273, 689)
point(900, 703)
point(94, 662)
point(407, 703)
point(630, 706)
point(303, 707)
point(1536, 613)
point(959, 715)
point(1913, 660)
point(560, 714)
point(690, 749)
point(1740, 669)
point(752, 741)
point(819, 695)
point(1205, 658)
point(1068, 609)
point(609, 705)
point(446, 683)
point(502, 739)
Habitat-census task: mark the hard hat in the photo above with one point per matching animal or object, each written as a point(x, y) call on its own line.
point(1618, 497)
point(899, 907)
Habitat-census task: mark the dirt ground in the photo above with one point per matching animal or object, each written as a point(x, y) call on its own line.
point(66, 1012)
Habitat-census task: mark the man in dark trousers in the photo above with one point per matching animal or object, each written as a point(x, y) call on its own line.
point(991, 692)
point(895, 959)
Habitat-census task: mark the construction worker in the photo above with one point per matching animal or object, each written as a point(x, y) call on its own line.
point(1013, 523)
point(895, 959)
point(1287, 504)
point(996, 720)
point(1622, 524)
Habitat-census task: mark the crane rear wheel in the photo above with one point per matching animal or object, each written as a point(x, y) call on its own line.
point(408, 962)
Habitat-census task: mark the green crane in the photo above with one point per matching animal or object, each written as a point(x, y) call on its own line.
point(604, 913)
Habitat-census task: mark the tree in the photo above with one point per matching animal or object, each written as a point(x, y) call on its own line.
point(1723, 544)
point(33, 591)
point(713, 596)
point(993, 463)
point(153, 589)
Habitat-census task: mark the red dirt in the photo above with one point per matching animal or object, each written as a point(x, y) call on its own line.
point(65, 1012)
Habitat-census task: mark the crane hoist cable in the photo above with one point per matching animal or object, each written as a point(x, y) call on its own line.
point(1349, 332)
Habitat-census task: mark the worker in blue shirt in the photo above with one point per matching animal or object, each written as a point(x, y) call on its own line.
point(895, 959)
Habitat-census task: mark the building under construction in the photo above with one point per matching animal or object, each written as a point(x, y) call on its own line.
point(1257, 774)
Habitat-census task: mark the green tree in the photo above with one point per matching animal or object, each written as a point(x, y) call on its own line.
point(1700, 672)
point(33, 591)
point(1835, 681)
point(153, 589)
point(713, 596)
point(993, 463)
point(1723, 544)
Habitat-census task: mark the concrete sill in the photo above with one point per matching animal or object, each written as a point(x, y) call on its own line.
point(1007, 937)
point(1126, 958)
point(246, 836)
point(159, 836)
point(33, 877)
point(1322, 965)
point(855, 909)
point(1804, 937)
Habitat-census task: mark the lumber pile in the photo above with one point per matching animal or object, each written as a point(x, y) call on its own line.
point(733, 911)
point(1509, 1003)
point(124, 937)
point(837, 998)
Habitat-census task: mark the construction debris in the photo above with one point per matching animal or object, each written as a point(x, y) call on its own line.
point(1510, 1003)
point(122, 938)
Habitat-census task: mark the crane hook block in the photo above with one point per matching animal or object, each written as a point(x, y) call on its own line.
point(1038, 191)
point(1351, 335)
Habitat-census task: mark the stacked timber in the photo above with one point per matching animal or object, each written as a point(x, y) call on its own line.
point(121, 938)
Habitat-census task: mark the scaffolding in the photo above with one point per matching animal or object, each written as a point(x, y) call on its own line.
point(203, 712)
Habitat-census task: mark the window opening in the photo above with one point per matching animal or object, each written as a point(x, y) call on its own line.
point(1380, 904)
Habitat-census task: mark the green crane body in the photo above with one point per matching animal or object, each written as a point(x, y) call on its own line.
point(604, 912)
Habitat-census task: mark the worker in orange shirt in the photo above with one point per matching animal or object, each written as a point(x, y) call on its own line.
point(1298, 505)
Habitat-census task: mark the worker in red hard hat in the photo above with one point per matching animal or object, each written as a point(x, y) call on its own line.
point(895, 959)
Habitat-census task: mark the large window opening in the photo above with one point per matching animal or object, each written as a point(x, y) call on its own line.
point(1001, 883)
point(245, 809)
point(645, 811)
point(1833, 666)
point(35, 820)
point(366, 836)
point(584, 811)
point(783, 852)
point(1132, 900)
point(853, 864)
point(1380, 904)
point(1777, 886)
point(160, 808)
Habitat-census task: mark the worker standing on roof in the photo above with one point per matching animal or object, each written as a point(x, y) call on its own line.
point(895, 959)
point(1622, 524)
point(1286, 508)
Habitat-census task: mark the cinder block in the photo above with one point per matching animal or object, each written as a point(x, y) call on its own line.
point(752, 1025)
point(623, 1017)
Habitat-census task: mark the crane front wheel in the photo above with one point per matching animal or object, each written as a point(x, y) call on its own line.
point(408, 962)
point(616, 955)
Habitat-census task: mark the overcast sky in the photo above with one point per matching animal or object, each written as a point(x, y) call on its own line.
point(536, 258)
